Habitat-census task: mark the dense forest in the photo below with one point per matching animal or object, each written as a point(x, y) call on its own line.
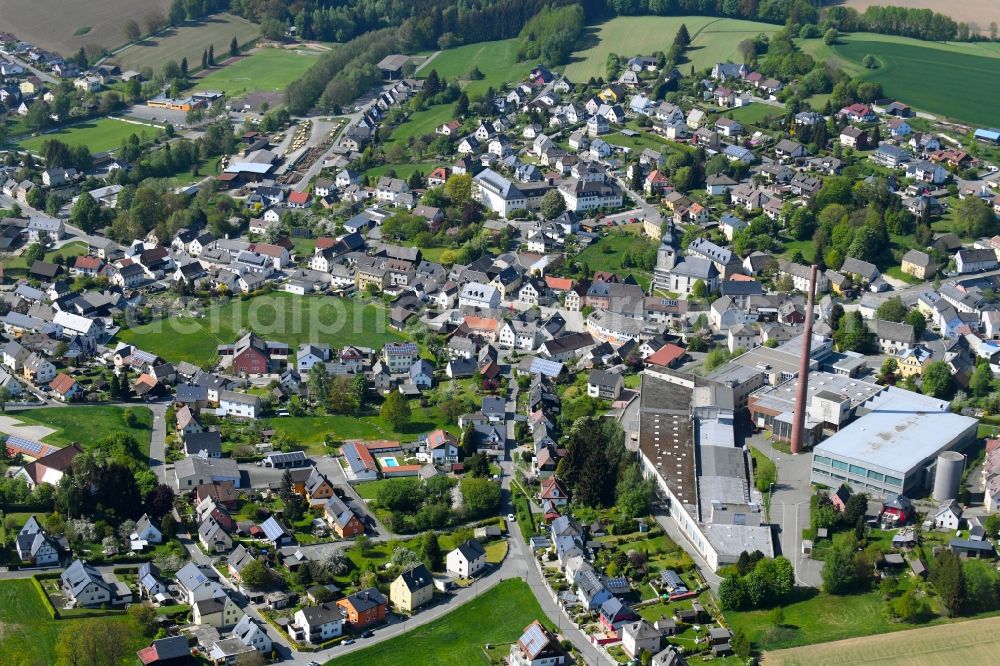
point(347, 71)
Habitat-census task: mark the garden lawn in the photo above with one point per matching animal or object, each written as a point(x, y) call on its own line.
point(457, 638)
point(277, 316)
point(29, 634)
point(608, 252)
point(74, 249)
point(266, 70)
point(369, 490)
point(97, 135)
point(313, 431)
point(496, 60)
point(712, 40)
point(98, 422)
point(402, 170)
point(754, 113)
point(966, 72)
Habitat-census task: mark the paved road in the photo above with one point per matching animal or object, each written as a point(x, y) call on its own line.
point(317, 166)
point(649, 211)
point(519, 552)
point(426, 62)
point(790, 509)
point(72, 233)
point(44, 76)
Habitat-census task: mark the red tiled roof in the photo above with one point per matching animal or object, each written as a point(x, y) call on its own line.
point(62, 383)
point(298, 197)
point(558, 283)
point(666, 355)
point(324, 242)
point(87, 262)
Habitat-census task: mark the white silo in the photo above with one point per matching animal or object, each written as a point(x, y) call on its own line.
point(950, 465)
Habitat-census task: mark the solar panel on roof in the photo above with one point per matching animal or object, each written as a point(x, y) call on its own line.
point(534, 640)
point(29, 446)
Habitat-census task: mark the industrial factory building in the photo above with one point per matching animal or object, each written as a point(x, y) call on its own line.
point(893, 447)
point(687, 446)
point(831, 402)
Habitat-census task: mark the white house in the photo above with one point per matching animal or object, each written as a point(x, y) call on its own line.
point(145, 532)
point(317, 624)
point(195, 585)
point(85, 586)
point(252, 634)
point(498, 193)
point(948, 516)
point(477, 295)
point(232, 403)
point(467, 560)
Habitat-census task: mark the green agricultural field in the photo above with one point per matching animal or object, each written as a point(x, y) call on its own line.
point(97, 135)
point(966, 77)
point(188, 41)
point(496, 60)
point(712, 40)
point(278, 316)
point(29, 635)
point(266, 70)
point(100, 420)
point(453, 639)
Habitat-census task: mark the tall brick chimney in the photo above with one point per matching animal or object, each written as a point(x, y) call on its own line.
point(799, 416)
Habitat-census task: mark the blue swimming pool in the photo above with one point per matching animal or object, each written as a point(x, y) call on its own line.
point(389, 462)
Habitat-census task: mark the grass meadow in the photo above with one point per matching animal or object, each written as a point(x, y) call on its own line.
point(100, 420)
point(98, 135)
point(28, 634)
point(457, 639)
point(970, 642)
point(712, 40)
point(278, 316)
point(496, 60)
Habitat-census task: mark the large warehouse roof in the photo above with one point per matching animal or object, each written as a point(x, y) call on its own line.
point(903, 429)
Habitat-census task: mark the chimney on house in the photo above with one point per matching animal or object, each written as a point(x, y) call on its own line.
point(799, 415)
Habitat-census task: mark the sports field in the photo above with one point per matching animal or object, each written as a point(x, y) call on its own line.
point(496, 60)
point(63, 26)
point(279, 316)
point(958, 80)
point(188, 41)
point(712, 40)
point(266, 70)
point(97, 135)
point(971, 643)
